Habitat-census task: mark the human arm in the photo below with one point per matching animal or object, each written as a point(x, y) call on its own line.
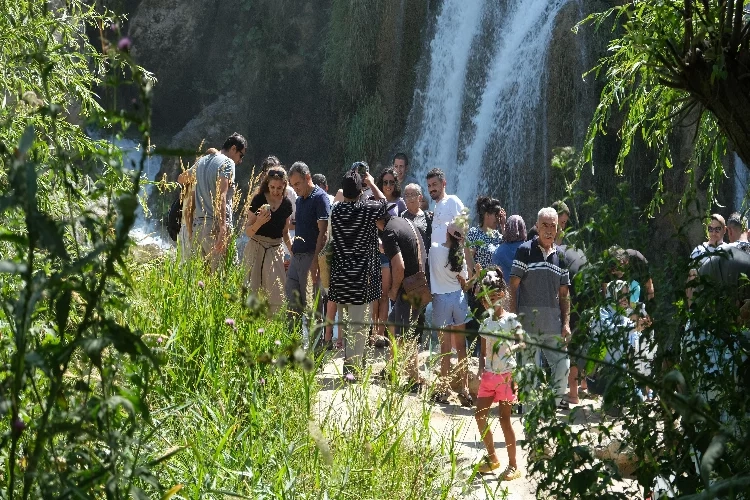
point(482, 355)
point(397, 275)
point(285, 235)
point(319, 244)
point(515, 281)
point(376, 192)
point(221, 212)
point(564, 297)
point(256, 221)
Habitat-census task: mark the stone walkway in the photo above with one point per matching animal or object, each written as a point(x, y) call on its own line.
point(446, 422)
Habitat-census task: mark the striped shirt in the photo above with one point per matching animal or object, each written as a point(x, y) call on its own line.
point(355, 265)
point(539, 290)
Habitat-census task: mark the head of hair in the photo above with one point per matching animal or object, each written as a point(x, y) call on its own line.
point(561, 207)
point(236, 140)
point(494, 280)
point(455, 254)
point(401, 156)
point(616, 258)
point(515, 229)
point(414, 187)
point(299, 168)
point(320, 181)
point(263, 188)
point(436, 172)
point(719, 218)
point(268, 162)
point(737, 221)
point(546, 212)
point(486, 205)
point(396, 187)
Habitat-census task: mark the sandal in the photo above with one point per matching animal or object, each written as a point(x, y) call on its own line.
point(465, 399)
point(510, 473)
point(440, 397)
point(486, 467)
point(563, 405)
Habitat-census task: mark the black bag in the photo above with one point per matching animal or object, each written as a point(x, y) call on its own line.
point(174, 218)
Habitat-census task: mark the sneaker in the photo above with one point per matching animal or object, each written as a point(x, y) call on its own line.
point(486, 467)
point(440, 397)
point(381, 341)
point(510, 473)
point(465, 399)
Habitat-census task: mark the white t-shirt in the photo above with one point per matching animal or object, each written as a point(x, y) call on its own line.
point(293, 198)
point(703, 248)
point(500, 358)
point(442, 279)
point(445, 211)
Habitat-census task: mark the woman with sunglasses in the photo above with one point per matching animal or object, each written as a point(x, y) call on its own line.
point(388, 184)
point(268, 221)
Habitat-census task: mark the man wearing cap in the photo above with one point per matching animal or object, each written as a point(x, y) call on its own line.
point(312, 213)
point(355, 263)
point(403, 246)
point(539, 292)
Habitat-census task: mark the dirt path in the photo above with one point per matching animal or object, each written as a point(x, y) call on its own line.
point(448, 424)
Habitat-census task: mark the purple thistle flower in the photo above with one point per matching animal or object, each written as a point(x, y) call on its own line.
point(277, 342)
point(124, 44)
point(230, 322)
point(201, 284)
point(261, 330)
point(262, 381)
point(160, 339)
point(350, 377)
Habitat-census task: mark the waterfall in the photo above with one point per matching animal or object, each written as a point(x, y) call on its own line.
point(488, 132)
point(440, 104)
point(741, 179)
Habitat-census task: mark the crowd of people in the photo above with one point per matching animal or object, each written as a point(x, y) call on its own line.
point(383, 256)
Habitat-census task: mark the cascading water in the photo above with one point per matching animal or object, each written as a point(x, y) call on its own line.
point(498, 146)
point(441, 102)
point(741, 180)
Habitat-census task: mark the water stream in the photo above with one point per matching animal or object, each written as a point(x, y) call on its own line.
point(485, 124)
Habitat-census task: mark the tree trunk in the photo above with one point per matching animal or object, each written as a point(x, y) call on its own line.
point(727, 98)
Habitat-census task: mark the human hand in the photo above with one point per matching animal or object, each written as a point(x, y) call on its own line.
point(368, 180)
point(461, 281)
point(393, 294)
point(314, 270)
point(566, 333)
point(263, 215)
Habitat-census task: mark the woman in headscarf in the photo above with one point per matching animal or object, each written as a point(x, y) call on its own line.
point(513, 237)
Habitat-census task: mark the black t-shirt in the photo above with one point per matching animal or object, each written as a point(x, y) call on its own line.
point(399, 237)
point(274, 227)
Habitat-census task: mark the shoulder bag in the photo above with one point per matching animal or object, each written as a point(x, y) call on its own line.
point(416, 287)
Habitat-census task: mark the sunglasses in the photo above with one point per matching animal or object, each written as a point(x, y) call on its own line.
point(242, 155)
point(713, 229)
point(389, 183)
point(275, 173)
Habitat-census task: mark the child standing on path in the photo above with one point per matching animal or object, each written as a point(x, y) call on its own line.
point(496, 363)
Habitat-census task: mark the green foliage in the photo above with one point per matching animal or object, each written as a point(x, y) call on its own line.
point(248, 415)
point(695, 434)
point(366, 131)
point(73, 381)
point(656, 85)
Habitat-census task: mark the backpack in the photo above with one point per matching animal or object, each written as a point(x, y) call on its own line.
point(174, 217)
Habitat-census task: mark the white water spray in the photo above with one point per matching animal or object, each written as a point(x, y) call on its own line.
point(458, 23)
point(506, 117)
point(503, 147)
point(741, 180)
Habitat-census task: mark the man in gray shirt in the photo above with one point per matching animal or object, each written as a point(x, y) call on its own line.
point(214, 176)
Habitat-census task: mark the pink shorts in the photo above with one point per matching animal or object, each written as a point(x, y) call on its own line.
point(498, 386)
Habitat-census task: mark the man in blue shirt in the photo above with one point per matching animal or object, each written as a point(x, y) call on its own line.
point(313, 208)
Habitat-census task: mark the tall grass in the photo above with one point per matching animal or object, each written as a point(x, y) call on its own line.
point(250, 427)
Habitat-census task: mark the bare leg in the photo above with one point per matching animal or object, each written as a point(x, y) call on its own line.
point(573, 384)
point(330, 318)
point(508, 434)
point(445, 339)
point(481, 416)
point(382, 313)
point(462, 372)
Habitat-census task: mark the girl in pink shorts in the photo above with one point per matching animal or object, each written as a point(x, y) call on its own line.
point(496, 363)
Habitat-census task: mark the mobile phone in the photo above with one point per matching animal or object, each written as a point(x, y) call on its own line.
point(362, 168)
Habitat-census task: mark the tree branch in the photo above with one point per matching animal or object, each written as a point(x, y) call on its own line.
point(737, 30)
point(687, 15)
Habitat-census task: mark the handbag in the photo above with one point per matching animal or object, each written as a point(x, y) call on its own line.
point(416, 287)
